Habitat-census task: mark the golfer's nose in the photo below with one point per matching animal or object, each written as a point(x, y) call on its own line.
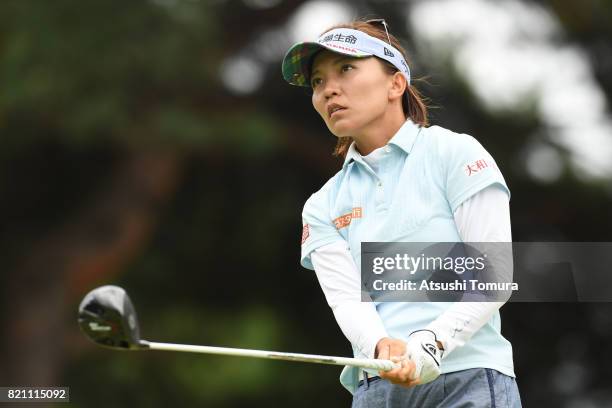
point(331, 87)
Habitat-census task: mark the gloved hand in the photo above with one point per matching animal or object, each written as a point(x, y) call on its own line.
point(426, 352)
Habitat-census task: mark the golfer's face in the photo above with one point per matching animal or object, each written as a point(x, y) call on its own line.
point(349, 93)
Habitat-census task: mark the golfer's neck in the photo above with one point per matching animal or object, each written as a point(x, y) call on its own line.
point(378, 132)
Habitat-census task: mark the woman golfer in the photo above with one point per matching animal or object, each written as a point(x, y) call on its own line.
point(400, 181)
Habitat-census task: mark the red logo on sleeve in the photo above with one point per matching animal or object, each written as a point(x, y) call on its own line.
point(477, 166)
point(305, 233)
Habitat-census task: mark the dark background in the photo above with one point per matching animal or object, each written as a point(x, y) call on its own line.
point(154, 145)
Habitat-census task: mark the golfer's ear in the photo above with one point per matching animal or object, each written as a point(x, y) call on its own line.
point(398, 85)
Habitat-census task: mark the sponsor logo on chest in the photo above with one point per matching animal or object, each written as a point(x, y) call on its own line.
point(345, 220)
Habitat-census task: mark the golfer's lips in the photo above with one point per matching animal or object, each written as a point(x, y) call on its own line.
point(332, 108)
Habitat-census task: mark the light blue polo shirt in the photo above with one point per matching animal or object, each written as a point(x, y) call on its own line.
point(419, 179)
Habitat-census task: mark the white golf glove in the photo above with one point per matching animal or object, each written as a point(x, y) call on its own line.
point(424, 352)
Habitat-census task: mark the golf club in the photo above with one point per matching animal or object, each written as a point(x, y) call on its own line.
point(108, 318)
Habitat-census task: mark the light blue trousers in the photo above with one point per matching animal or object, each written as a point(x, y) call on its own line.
point(473, 388)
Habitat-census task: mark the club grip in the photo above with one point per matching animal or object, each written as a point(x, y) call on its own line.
point(380, 365)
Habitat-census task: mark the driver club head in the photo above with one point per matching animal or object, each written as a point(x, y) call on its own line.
point(108, 318)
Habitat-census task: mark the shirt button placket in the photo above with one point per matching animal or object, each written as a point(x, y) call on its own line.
point(380, 196)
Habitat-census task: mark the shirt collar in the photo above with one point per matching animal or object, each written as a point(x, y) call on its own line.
point(404, 139)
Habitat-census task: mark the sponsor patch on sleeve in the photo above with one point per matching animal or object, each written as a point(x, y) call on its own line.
point(475, 167)
point(305, 233)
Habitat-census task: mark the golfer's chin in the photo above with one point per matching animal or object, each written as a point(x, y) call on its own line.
point(341, 128)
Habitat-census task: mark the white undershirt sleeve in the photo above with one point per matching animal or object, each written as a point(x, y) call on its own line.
point(341, 283)
point(485, 217)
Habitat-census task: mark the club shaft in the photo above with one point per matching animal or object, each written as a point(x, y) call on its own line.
point(381, 365)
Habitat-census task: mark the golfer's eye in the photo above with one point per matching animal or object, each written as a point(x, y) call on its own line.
point(347, 67)
point(314, 82)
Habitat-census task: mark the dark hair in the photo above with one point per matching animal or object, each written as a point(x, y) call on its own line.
point(412, 101)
